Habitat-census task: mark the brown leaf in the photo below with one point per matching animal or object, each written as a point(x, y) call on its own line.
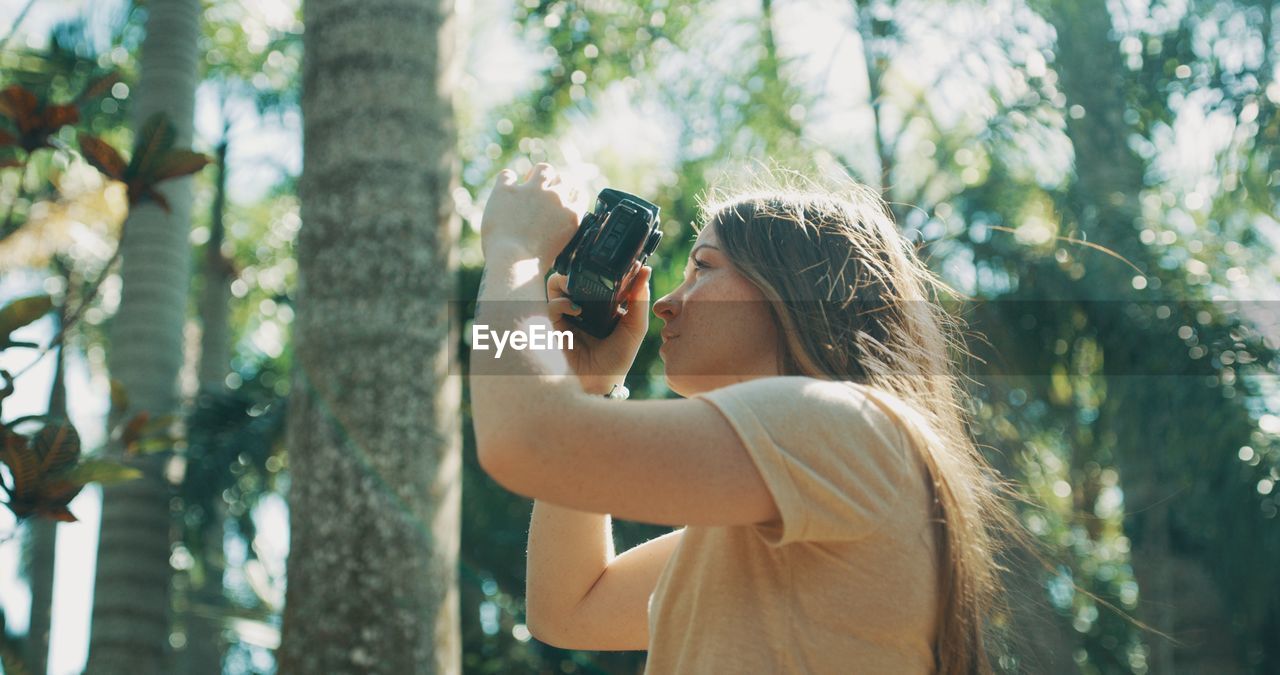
point(33, 492)
point(119, 396)
point(19, 105)
point(57, 116)
point(58, 447)
point(178, 163)
point(154, 138)
point(133, 431)
point(59, 513)
point(35, 121)
point(7, 139)
point(52, 499)
point(102, 156)
point(23, 464)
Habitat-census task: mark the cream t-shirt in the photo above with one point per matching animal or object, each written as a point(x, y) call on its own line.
point(846, 582)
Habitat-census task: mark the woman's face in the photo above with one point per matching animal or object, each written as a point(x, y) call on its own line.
point(717, 327)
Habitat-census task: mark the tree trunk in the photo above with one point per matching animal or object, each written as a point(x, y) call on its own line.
point(130, 630)
point(41, 538)
point(868, 30)
point(41, 546)
point(214, 305)
point(207, 605)
point(373, 432)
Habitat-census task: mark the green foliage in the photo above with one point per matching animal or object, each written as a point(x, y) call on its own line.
point(19, 313)
point(590, 47)
point(252, 56)
point(232, 458)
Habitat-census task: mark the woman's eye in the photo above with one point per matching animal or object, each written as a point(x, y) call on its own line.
point(700, 265)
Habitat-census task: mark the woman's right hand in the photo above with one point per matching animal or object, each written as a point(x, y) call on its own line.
point(602, 363)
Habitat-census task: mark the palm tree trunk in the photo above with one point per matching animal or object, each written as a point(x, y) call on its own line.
point(373, 432)
point(130, 630)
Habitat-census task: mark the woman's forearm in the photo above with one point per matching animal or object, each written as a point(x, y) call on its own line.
point(515, 394)
point(568, 552)
point(514, 399)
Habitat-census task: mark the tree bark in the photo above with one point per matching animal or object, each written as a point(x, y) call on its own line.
point(373, 431)
point(130, 629)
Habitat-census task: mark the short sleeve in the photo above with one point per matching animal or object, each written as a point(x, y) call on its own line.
point(836, 462)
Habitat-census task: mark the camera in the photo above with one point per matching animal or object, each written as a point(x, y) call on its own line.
point(598, 261)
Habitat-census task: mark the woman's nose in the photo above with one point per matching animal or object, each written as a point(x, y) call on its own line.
point(665, 307)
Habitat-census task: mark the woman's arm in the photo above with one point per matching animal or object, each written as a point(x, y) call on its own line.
point(568, 552)
point(576, 601)
point(538, 434)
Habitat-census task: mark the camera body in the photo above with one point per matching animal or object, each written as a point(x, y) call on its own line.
point(621, 230)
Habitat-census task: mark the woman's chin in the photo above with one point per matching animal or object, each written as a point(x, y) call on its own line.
point(688, 385)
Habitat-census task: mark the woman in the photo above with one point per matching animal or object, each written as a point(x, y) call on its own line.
point(837, 517)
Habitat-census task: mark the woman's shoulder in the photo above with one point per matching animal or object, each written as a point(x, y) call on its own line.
point(798, 394)
point(803, 388)
point(798, 399)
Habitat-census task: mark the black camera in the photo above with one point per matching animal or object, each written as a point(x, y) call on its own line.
point(598, 261)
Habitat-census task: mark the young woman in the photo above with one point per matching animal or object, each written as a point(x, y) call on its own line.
point(836, 517)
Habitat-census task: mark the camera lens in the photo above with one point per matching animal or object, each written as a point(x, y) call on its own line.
point(651, 244)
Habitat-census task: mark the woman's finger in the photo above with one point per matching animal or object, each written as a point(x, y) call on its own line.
point(541, 173)
point(561, 307)
point(557, 286)
point(639, 291)
point(637, 315)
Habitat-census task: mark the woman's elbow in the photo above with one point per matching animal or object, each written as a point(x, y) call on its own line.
point(495, 455)
point(542, 631)
point(549, 633)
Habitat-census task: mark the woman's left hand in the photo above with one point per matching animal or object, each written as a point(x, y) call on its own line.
point(536, 218)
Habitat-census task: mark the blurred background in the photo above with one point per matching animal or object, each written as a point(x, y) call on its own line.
point(1098, 179)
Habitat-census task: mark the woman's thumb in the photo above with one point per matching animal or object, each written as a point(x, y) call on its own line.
point(638, 297)
point(640, 287)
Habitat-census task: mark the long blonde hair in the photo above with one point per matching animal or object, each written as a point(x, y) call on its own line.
point(851, 300)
